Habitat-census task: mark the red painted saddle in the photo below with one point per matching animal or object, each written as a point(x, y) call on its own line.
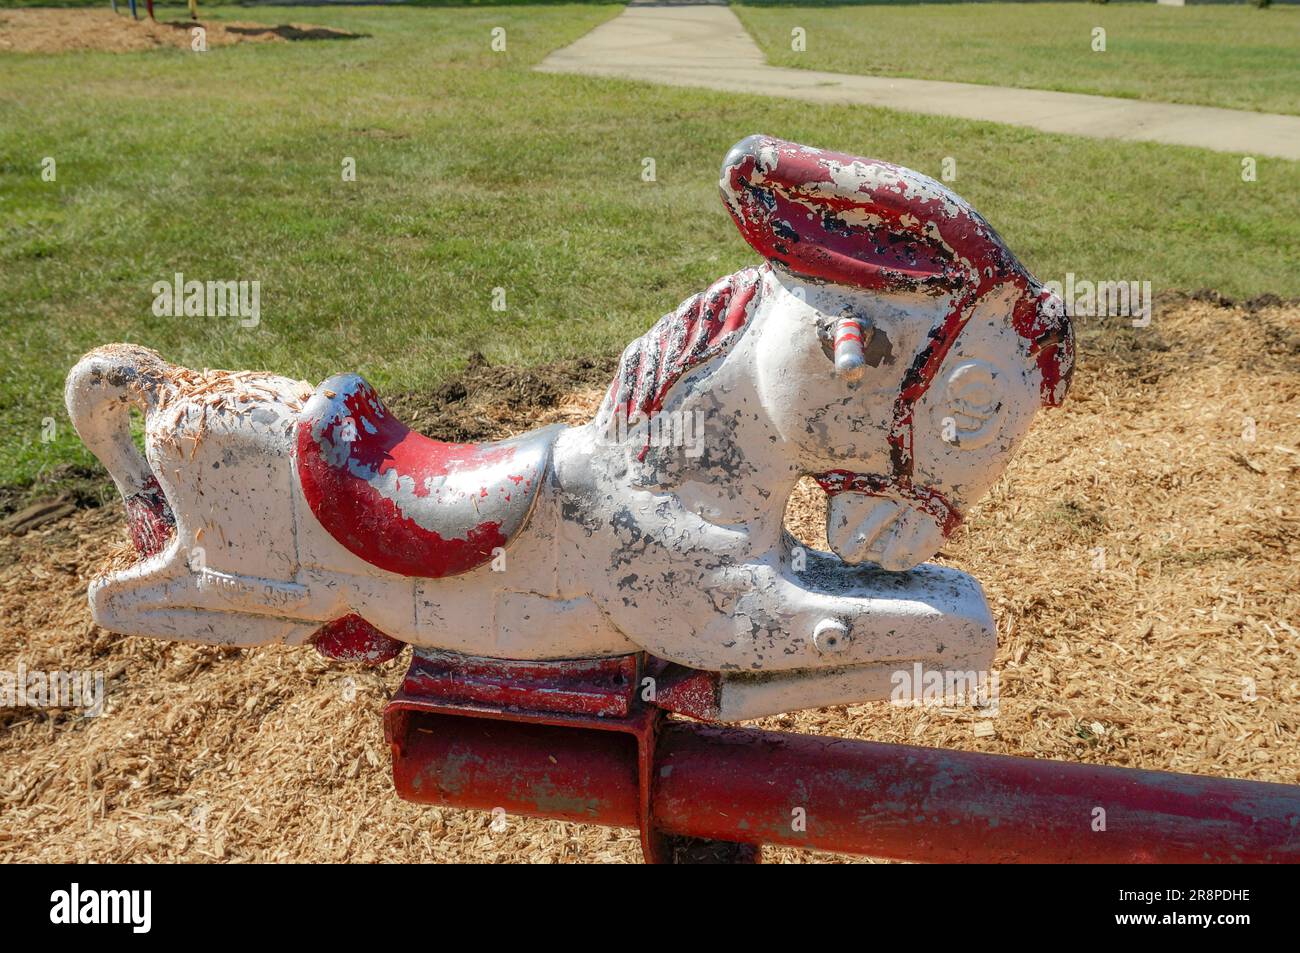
point(403, 501)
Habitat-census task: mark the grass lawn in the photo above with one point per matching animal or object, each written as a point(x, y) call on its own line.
point(1234, 56)
point(474, 173)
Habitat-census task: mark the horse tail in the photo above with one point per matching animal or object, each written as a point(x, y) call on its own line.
point(100, 392)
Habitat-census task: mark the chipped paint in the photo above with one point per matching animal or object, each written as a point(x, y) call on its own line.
point(402, 501)
point(149, 519)
point(880, 227)
point(676, 778)
point(702, 327)
point(885, 310)
point(353, 639)
point(267, 511)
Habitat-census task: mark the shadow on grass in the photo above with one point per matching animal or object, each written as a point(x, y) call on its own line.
point(284, 31)
point(289, 32)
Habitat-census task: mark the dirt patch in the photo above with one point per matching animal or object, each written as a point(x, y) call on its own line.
point(86, 486)
point(1142, 558)
point(71, 31)
point(488, 401)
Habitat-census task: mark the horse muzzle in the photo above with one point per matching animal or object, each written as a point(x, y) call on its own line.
point(891, 523)
point(890, 533)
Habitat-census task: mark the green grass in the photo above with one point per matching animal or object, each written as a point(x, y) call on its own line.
point(475, 172)
point(1234, 56)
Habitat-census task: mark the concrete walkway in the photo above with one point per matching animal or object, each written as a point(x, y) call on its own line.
point(705, 45)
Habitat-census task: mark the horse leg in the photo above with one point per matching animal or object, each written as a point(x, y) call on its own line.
point(194, 9)
point(770, 616)
point(164, 599)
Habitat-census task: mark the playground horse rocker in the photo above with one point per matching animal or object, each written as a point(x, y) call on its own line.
point(566, 590)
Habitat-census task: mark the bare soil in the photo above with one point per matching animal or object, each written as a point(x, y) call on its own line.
point(64, 31)
point(1142, 557)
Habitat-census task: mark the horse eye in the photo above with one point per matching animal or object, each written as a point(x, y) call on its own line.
point(974, 396)
point(973, 386)
point(970, 406)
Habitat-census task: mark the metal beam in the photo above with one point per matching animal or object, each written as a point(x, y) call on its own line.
point(682, 779)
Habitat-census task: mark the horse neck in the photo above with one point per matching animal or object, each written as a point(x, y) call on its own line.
point(742, 473)
point(696, 366)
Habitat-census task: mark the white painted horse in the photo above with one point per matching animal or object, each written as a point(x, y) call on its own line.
point(890, 346)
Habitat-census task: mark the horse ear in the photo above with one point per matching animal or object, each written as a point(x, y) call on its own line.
point(857, 221)
point(850, 359)
point(854, 344)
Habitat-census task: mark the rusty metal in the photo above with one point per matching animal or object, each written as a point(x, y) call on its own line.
point(697, 790)
point(565, 765)
point(937, 805)
point(568, 740)
point(601, 687)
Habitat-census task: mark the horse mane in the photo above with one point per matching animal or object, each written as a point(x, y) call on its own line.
point(702, 327)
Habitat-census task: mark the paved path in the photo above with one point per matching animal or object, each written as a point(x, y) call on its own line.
point(705, 45)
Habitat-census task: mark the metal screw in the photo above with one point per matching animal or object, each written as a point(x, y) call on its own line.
point(831, 636)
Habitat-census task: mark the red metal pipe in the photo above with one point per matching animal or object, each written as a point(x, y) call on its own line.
point(537, 770)
point(882, 800)
point(934, 804)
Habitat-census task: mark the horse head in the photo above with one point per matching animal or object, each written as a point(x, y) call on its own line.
point(903, 350)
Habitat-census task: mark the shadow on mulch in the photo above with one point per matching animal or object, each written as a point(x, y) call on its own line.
point(285, 31)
